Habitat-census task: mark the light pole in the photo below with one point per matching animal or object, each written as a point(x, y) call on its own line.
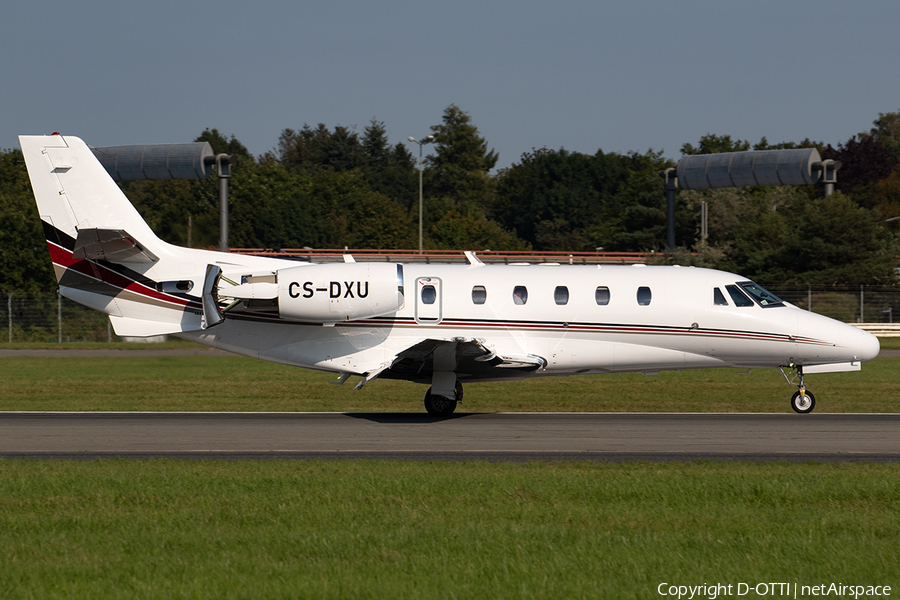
point(427, 140)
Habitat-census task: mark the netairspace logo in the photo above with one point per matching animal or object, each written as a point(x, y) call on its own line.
point(772, 590)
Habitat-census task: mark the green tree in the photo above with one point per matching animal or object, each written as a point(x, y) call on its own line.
point(458, 171)
point(714, 144)
point(764, 144)
point(390, 170)
point(561, 200)
point(830, 240)
point(222, 145)
point(316, 149)
point(24, 259)
point(886, 130)
point(864, 161)
point(272, 206)
point(357, 216)
point(550, 196)
point(641, 201)
point(455, 231)
point(170, 207)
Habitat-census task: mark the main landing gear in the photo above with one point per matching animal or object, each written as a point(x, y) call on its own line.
point(802, 401)
point(442, 406)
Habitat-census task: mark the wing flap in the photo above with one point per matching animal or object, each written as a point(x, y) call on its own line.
point(474, 359)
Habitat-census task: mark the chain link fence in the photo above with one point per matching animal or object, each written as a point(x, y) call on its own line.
point(850, 304)
point(48, 317)
point(51, 318)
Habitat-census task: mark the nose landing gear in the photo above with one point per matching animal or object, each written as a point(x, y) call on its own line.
point(802, 401)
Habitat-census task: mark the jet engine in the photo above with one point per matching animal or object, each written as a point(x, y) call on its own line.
point(321, 293)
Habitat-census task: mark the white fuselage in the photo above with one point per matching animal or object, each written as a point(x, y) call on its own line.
point(680, 328)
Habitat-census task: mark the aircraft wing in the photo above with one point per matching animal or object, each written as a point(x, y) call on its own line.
point(472, 358)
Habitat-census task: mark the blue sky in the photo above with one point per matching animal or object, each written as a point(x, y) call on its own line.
point(584, 75)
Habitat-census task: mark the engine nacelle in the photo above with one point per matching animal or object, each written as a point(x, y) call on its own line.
point(336, 292)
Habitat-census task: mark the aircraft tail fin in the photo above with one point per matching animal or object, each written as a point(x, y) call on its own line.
point(104, 254)
point(83, 210)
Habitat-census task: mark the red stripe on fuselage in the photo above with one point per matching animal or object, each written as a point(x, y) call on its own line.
point(64, 258)
point(581, 327)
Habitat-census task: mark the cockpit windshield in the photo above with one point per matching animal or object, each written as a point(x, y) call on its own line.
point(762, 296)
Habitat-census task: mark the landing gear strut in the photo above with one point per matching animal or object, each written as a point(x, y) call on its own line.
point(802, 401)
point(441, 406)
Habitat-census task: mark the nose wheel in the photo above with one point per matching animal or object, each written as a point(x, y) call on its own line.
point(802, 401)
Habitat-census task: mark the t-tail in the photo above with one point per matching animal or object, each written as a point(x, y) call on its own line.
point(104, 254)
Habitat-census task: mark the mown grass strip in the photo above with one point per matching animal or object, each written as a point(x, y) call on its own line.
point(213, 383)
point(362, 529)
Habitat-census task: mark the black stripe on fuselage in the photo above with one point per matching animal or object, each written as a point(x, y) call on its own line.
point(560, 326)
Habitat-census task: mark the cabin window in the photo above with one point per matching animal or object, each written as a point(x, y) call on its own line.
point(561, 295)
point(601, 295)
point(738, 296)
point(479, 294)
point(719, 298)
point(762, 296)
point(643, 296)
point(429, 294)
point(520, 294)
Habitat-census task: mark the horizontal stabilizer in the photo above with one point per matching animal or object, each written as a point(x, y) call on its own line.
point(113, 245)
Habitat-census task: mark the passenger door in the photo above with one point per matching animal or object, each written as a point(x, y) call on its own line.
point(428, 300)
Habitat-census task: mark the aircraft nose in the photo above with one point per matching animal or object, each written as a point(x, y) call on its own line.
point(867, 345)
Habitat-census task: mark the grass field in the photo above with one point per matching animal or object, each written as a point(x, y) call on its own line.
point(381, 529)
point(215, 383)
point(348, 529)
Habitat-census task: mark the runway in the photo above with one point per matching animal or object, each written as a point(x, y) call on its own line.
point(511, 437)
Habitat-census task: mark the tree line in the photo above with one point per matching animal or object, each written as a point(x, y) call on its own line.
point(337, 187)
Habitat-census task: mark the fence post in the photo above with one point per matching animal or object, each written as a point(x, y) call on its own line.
point(9, 311)
point(862, 305)
point(59, 314)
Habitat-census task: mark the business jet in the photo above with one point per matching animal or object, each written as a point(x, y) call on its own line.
point(438, 324)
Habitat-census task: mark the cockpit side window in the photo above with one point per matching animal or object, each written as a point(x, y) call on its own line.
point(763, 297)
point(737, 296)
point(719, 298)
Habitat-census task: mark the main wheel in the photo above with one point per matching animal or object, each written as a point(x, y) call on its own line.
point(439, 406)
point(803, 404)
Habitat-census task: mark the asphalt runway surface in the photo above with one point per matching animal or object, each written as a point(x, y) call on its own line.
point(496, 437)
